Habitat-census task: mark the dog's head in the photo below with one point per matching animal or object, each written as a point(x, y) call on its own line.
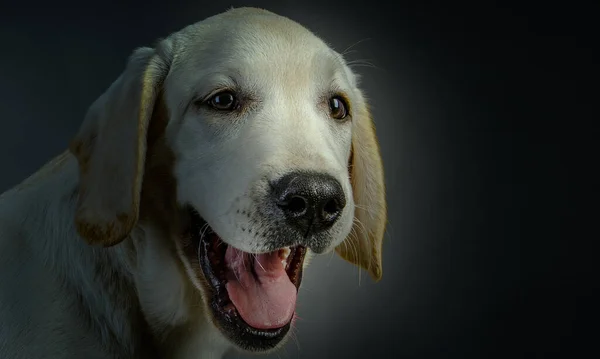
point(247, 137)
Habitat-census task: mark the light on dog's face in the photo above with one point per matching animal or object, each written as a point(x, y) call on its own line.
point(260, 115)
point(262, 147)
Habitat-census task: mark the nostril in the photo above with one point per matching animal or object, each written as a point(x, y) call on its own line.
point(331, 207)
point(295, 205)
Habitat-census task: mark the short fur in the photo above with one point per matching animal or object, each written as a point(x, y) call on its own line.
point(91, 264)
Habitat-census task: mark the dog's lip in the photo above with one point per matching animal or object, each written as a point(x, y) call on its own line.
point(206, 230)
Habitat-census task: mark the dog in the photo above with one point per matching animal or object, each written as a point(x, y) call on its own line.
point(178, 222)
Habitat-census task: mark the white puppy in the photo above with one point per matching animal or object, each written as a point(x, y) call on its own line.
point(178, 224)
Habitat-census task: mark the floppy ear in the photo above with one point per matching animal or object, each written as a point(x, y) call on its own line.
point(110, 148)
point(363, 246)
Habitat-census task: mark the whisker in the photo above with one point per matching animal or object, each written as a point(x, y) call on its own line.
point(361, 225)
point(355, 243)
point(366, 209)
point(240, 254)
point(330, 258)
point(305, 288)
point(389, 227)
point(203, 230)
point(257, 261)
point(363, 63)
point(345, 52)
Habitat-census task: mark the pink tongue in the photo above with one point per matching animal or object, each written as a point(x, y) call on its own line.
point(265, 299)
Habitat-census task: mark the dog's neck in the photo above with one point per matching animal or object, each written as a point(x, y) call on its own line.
point(97, 283)
point(132, 297)
point(172, 305)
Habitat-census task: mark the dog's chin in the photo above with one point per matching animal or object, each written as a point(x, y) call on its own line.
point(251, 296)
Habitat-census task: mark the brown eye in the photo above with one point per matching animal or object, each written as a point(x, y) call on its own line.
point(223, 101)
point(338, 108)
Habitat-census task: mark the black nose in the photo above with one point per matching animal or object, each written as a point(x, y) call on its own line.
point(311, 202)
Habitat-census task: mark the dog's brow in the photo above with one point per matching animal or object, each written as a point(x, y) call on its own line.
point(218, 77)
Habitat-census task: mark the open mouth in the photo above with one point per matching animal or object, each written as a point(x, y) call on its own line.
point(252, 296)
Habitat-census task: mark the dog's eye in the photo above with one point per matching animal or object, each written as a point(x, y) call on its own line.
point(338, 108)
point(223, 101)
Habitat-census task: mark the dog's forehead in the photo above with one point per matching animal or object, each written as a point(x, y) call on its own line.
point(249, 41)
point(250, 27)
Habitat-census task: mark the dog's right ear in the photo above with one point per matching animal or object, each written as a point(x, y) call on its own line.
point(363, 247)
point(110, 148)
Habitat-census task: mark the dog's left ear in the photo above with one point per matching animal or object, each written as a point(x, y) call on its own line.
point(364, 244)
point(110, 148)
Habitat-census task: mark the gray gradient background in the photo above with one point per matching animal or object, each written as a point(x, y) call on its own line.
point(469, 103)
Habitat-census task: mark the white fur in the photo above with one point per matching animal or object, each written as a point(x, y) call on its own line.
point(63, 298)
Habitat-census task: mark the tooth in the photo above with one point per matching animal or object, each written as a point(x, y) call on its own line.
point(284, 253)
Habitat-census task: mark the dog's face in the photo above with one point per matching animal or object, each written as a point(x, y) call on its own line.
point(274, 158)
point(262, 133)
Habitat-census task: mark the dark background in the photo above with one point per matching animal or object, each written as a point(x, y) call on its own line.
point(480, 112)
